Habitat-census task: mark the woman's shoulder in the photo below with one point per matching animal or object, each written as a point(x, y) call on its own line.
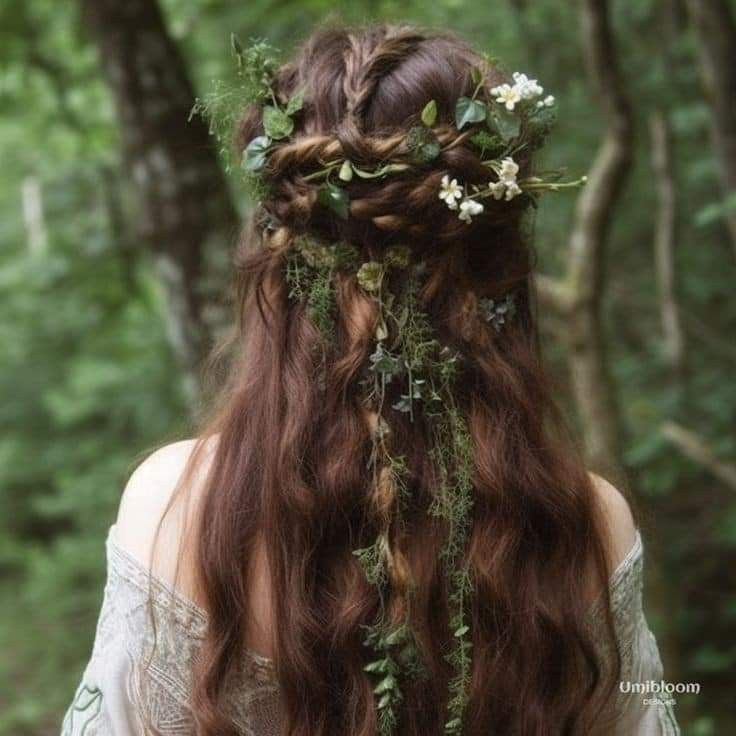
point(158, 506)
point(619, 525)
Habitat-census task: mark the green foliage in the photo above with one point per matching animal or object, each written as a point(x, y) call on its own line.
point(423, 145)
point(221, 107)
point(277, 123)
point(256, 65)
point(468, 111)
point(88, 383)
point(491, 146)
point(502, 123)
point(310, 266)
point(254, 155)
point(429, 370)
point(334, 198)
point(429, 113)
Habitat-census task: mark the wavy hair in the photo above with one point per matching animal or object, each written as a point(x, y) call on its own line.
point(294, 438)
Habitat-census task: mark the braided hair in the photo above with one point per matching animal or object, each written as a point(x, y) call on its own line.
point(464, 524)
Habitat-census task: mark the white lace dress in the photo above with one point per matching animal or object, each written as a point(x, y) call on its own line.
point(131, 688)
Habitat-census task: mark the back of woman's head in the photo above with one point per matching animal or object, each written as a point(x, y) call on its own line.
point(387, 433)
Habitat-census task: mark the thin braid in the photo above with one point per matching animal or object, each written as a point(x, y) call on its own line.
point(364, 69)
point(392, 50)
point(356, 59)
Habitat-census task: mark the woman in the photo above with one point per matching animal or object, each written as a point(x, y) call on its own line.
point(381, 529)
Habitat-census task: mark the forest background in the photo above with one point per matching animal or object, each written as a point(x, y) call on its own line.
point(117, 220)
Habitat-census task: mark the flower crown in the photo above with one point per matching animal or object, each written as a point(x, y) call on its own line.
point(501, 123)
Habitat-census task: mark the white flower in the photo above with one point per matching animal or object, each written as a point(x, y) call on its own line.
point(450, 192)
point(548, 101)
point(497, 189)
point(507, 95)
point(469, 208)
point(506, 186)
point(527, 88)
point(508, 171)
point(512, 190)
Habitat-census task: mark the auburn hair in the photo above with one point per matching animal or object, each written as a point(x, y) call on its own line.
point(293, 437)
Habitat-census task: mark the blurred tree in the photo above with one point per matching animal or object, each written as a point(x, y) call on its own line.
point(665, 240)
point(185, 211)
point(716, 33)
point(578, 296)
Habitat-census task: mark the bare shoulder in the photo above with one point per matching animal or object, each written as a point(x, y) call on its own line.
point(617, 518)
point(156, 506)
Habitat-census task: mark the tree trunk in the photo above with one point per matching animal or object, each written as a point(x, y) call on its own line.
point(33, 215)
point(185, 213)
point(665, 240)
point(715, 29)
point(578, 296)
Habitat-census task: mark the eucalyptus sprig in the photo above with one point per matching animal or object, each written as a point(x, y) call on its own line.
point(396, 655)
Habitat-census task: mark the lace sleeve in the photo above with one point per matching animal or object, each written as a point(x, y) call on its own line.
point(103, 703)
point(633, 711)
point(138, 679)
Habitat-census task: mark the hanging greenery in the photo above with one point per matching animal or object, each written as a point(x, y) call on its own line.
point(406, 354)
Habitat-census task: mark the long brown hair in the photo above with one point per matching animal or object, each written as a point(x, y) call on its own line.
point(293, 437)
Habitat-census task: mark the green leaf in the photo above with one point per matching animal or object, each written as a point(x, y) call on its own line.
point(394, 637)
point(461, 631)
point(402, 318)
point(346, 171)
point(295, 103)
point(504, 123)
point(379, 665)
point(384, 701)
point(381, 330)
point(468, 111)
point(429, 113)
point(386, 684)
point(335, 198)
point(276, 123)
point(476, 75)
point(422, 144)
point(254, 156)
point(428, 152)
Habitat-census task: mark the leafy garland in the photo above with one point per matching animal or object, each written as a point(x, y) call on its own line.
point(501, 123)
